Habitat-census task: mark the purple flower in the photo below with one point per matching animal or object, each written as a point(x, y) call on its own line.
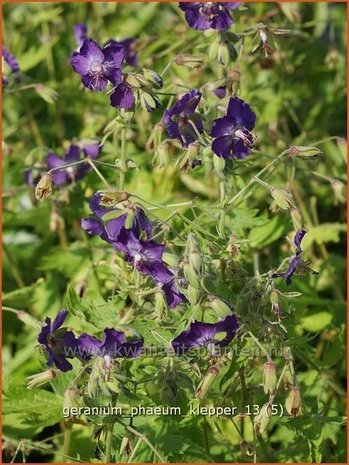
point(114, 344)
point(12, 63)
point(232, 133)
point(296, 262)
point(173, 296)
point(97, 66)
point(91, 149)
point(80, 34)
point(209, 15)
point(181, 119)
point(145, 256)
point(206, 335)
point(10, 59)
point(220, 91)
point(58, 342)
point(129, 49)
point(123, 96)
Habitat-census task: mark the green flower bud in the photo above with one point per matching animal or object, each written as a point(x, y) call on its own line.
point(160, 305)
point(222, 51)
point(193, 252)
point(125, 446)
point(71, 399)
point(206, 383)
point(262, 419)
point(148, 100)
point(219, 306)
point(293, 402)
point(43, 188)
point(135, 80)
point(296, 219)
point(283, 198)
point(219, 165)
point(162, 154)
point(41, 378)
point(153, 77)
point(190, 61)
point(269, 377)
point(193, 294)
point(339, 190)
point(303, 151)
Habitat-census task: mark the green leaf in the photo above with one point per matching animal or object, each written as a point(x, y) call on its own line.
point(270, 232)
point(317, 322)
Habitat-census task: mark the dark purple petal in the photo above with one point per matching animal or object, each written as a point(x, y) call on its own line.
point(122, 97)
point(223, 126)
point(208, 15)
point(239, 149)
point(142, 222)
point(80, 33)
point(54, 161)
point(72, 154)
point(220, 91)
point(92, 150)
point(242, 113)
point(98, 209)
point(80, 63)
point(173, 296)
point(129, 50)
point(298, 239)
point(10, 59)
point(114, 227)
point(59, 361)
point(59, 320)
point(222, 146)
point(229, 325)
point(93, 226)
point(97, 83)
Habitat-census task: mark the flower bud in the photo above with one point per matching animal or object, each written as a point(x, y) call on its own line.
point(269, 377)
point(49, 95)
point(206, 382)
point(193, 294)
point(262, 419)
point(153, 77)
point(194, 257)
point(126, 446)
point(148, 100)
point(71, 399)
point(222, 51)
point(160, 305)
point(111, 197)
point(219, 306)
point(339, 190)
point(43, 188)
point(162, 154)
point(41, 378)
point(296, 219)
point(190, 61)
point(219, 165)
point(283, 198)
point(135, 80)
point(303, 151)
point(293, 402)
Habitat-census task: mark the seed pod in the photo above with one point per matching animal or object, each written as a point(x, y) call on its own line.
point(41, 378)
point(126, 446)
point(269, 377)
point(303, 151)
point(43, 188)
point(221, 308)
point(262, 419)
point(194, 257)
point(283, 198)
point(193, 294)
point(293, 402)
point(111, 197)
point(206, 382)
point(190, 61)
point(148, 100)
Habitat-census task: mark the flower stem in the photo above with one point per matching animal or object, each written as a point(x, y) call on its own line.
point(108, 443)
point(67, 437)
point(123, 159)
point(91, 163)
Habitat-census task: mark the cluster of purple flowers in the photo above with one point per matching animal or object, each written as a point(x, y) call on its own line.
point(232, 133)
point(99, 65)
point(209, 15)
point(62, 344)
point(62, 173)
point(12, 64)
point(296, 262)
point(135, 242)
